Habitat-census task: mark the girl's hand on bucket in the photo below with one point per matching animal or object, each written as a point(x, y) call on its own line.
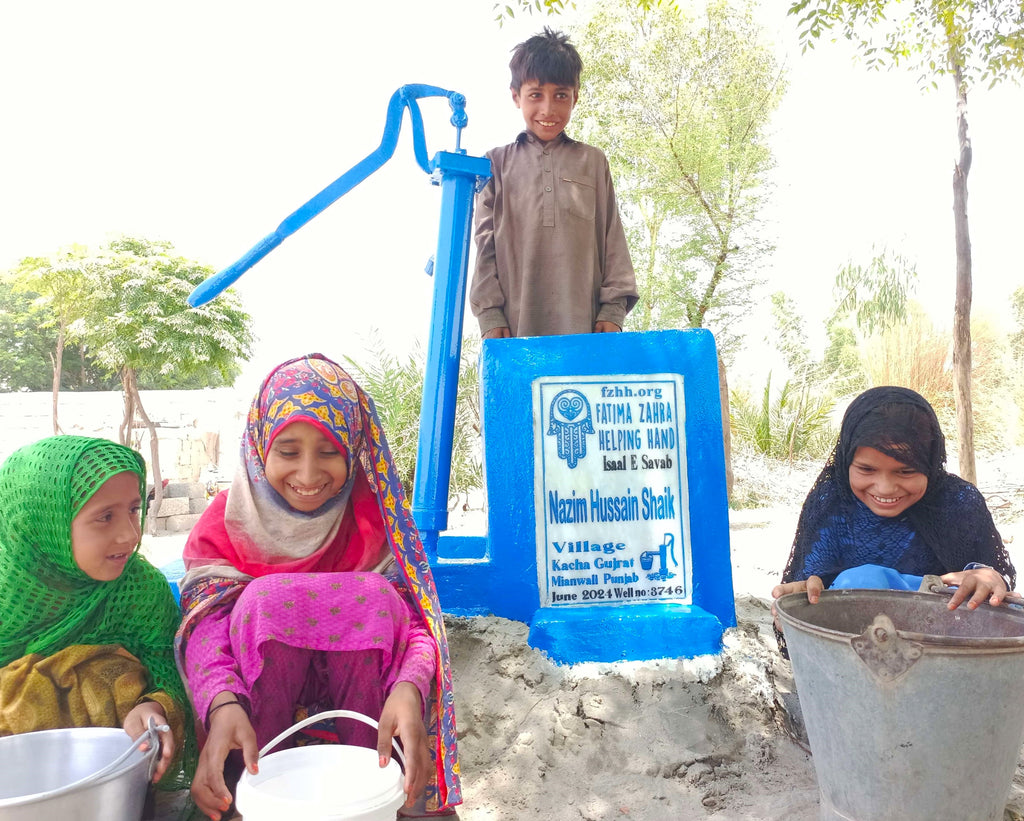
point(812, 587)
point(230, 729)
point(402, 716)
point(135, 724)
point(975, 587)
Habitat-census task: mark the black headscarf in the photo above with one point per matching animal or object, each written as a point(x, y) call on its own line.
point(951, 518)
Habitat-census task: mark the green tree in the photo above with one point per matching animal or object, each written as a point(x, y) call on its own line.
point(791, 342)
point(25, 354)
point(1017, 336)
point(791, 336)
point(681, 104)
point(875, 294)
point(29, 329)
point(967, 42)
point(63, 285)
point(841, 365)
point(870, 299)
point(30, 333)
point(142, 328)
point(507, 10)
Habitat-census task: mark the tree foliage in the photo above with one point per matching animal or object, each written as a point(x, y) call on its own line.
point(1017, 336)
point(793, 422)
point(508, 10)
point(841, 364)
point(125, 309)
point(978, 41)
point(970, 42)
point(790, 336)
point(43, 295)
point(143, 322)
point(681, 103)
point(876, 294)
point(26, 357)
point(62, 287)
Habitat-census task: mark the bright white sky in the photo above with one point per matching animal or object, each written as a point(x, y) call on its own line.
point(206, 122)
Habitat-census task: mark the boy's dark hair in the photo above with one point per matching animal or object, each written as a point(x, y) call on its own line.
point(547, 57)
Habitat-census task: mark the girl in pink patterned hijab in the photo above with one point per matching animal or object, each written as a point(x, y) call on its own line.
point(307, 588)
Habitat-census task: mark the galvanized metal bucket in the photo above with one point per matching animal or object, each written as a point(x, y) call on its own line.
point(78, 774)
point(913, 711)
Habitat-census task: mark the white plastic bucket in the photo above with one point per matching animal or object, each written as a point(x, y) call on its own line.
point(323, 782)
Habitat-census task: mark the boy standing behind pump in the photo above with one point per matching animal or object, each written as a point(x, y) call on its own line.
point(551, 251)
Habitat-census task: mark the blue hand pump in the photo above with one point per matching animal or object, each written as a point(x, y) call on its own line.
point(459, 177)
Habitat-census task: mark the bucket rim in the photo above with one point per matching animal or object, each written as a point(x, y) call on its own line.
point(934, 640)
point(275, 764)
point(130, 763)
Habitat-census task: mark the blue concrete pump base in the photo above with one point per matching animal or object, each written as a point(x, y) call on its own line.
point(635, 633)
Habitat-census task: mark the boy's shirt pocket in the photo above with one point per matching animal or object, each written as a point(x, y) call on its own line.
point(578, 195)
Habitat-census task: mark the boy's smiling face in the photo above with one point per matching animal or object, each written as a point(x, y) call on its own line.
point(546, 107)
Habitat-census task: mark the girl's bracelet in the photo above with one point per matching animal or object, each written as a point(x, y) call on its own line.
point(212, 710)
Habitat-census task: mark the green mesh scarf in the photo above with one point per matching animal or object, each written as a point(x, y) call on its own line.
point(46, 602)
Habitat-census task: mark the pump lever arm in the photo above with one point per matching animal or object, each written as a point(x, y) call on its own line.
point(404, 98)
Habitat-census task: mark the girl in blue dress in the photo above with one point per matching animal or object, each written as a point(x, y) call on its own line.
point(884, 512)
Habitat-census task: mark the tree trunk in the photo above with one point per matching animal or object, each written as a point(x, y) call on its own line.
point(129, 391)
point(962, 309)
point(723, 394)
point(58, 362)
point(130, 387)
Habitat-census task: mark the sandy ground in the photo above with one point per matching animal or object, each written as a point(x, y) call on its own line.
point(706, 738)
point(714, 737)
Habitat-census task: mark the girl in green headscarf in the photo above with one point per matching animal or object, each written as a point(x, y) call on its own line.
point(86, 623)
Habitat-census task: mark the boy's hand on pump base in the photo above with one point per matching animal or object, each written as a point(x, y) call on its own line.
point(603, 326)
point(498, 333)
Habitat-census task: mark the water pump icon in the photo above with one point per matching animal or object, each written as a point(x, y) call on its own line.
point(665, 551)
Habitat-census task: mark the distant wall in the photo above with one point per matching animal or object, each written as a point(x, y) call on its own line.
point(195, 429)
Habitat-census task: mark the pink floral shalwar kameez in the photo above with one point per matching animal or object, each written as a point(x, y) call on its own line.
point(301, 612)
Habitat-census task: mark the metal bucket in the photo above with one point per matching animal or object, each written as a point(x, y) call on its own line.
point(913, 711)
point(79, 774)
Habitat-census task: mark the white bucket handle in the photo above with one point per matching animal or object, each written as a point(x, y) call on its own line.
point(329, 714)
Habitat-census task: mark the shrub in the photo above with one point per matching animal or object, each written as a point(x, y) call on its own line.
point(396, 386)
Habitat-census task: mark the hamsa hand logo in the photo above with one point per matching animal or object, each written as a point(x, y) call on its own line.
point(569, 420)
